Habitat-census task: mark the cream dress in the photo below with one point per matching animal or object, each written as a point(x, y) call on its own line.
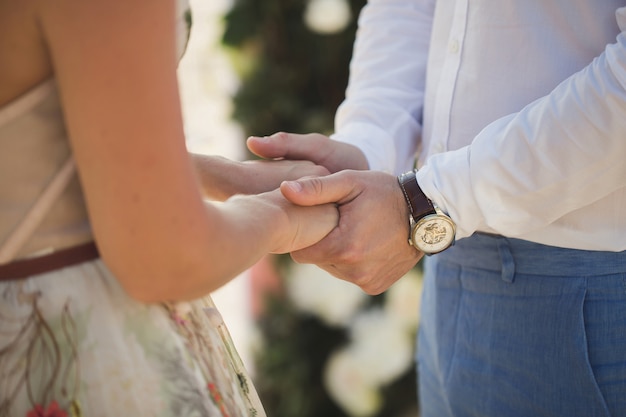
point(72, 343)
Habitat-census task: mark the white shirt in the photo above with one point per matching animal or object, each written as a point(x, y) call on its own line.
point(515, 108)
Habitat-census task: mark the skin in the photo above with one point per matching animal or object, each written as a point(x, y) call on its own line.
point(369, 247)
point(319, 149)
point(117, 77)
point(221, 178)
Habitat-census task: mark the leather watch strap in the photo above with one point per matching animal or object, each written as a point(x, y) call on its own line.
point(419, 204)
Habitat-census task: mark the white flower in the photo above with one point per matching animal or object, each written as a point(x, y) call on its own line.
point(315, 291)
point(381, 344)
point(402, 299)
point(346, 383)
point(327, 16)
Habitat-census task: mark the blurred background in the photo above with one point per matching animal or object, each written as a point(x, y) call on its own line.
point(314, 345)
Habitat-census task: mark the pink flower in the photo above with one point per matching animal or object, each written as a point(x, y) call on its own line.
point(53, 410)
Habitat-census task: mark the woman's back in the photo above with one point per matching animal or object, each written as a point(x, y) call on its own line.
point(33, 148)
point(71, 339)
point(25, 61)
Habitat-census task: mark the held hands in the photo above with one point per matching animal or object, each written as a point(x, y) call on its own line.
point(294, 226)
point(287, 157)
point(319, 149)
point(369, 246)
point(221, 178)
point(261, 176)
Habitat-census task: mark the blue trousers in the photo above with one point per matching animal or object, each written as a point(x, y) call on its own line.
point(511, 328)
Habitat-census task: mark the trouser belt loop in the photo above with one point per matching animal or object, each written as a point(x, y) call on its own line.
point(508, 262)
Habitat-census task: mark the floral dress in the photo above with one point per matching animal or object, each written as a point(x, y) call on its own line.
point(72, 342)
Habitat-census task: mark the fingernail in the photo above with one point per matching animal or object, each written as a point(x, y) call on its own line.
point(263, 139)
point(294, 185)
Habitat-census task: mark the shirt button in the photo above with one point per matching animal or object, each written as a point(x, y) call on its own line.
point(454, 46)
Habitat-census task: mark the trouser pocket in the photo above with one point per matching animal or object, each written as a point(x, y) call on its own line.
point(499, 348)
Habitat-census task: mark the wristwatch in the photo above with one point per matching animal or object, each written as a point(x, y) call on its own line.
point(431, 230)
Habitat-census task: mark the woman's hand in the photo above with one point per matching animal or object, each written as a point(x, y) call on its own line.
point(222, 178)
point(292, 227)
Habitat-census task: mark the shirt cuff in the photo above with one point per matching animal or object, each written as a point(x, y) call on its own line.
point(445, 179)
point(375, 144)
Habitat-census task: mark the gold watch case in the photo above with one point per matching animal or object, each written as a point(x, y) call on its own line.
point(433, 233)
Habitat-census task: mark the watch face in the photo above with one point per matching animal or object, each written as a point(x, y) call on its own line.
point(433, 233)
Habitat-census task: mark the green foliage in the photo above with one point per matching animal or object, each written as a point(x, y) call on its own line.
point(293, 79)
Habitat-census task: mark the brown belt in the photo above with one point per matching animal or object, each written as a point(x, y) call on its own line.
point(60, 259)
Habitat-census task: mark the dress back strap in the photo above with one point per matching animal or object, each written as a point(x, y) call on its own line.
point(24, 230)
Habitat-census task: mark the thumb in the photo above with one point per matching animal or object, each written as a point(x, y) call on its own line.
point(335, 188)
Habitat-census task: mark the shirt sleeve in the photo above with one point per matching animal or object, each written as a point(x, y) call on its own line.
point(382, 112)
point(560, 153)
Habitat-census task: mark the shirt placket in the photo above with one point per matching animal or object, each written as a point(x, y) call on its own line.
point(449, 75)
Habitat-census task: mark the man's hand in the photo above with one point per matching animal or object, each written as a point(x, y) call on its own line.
point(319, 149)
point(369, 247)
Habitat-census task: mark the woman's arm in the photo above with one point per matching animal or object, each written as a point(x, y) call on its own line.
point(115, 63)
